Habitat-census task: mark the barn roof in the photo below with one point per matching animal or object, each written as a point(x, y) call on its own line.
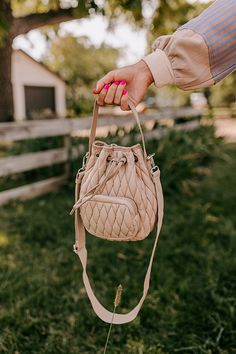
point(40, 63)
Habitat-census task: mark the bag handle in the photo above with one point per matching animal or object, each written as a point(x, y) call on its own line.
point(94, 125)
point(81, 251)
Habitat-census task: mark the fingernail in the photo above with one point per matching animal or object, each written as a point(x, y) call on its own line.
point(116, 83)
point(123, 82)
point(124, 92)
point(106, 87)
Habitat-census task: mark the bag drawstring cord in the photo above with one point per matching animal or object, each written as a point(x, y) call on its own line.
point(114, 168)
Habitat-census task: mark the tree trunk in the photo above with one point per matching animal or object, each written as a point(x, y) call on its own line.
point(13, 27)
point(6, 92)
point(207, 94)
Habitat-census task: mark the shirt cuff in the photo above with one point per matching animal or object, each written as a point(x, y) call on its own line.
point(160, 68)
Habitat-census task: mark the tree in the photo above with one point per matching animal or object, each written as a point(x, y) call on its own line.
point(80, 64)
point(223, 94)
point(20, 16)
point(167, 17)
point(12, 26)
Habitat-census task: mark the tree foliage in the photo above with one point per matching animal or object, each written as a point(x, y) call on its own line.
point(223, 94)
point(80, 64)
point(26, 7)
point(20, 16)
point(168, 15)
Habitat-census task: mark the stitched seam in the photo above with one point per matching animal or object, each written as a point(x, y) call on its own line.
point(234, 65)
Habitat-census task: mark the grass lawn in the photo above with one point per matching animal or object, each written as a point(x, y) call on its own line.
point(190, 307)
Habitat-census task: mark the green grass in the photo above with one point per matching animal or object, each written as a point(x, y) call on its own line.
point(190, 307)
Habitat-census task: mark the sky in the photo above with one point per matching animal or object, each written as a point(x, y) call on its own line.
point(96, 29)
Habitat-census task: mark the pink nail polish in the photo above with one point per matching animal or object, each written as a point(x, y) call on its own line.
point(106, 87)
point(124, 92)
point(116, 83)
point(123, 82)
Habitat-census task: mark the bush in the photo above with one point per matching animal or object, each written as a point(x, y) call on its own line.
point(183, 157)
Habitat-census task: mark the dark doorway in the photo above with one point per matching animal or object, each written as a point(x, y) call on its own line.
point(40, 102)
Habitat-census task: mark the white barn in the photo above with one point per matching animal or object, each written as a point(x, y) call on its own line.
point(37, 92)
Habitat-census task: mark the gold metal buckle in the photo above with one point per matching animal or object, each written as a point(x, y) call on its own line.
point(151, 156)
point(84, 159)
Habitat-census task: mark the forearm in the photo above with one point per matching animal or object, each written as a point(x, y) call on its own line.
point(200, 53)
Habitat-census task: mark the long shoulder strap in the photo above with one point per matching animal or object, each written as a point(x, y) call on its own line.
point(81, 251)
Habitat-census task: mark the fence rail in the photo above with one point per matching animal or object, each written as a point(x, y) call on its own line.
point(67, 128)
point(32, 190)
point(61, 127)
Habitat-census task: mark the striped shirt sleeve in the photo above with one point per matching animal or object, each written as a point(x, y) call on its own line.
point(200, 53)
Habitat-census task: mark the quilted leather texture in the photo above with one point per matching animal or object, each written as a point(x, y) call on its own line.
point(125, 208)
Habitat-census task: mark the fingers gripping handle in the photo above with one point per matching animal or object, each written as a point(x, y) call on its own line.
point(81, 251)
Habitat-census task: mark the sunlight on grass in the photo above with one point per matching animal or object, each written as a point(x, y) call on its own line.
point(4, 240)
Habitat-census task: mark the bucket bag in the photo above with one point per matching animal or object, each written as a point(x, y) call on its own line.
point(118, 197)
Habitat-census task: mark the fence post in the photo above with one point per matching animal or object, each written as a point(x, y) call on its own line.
point(67, 145)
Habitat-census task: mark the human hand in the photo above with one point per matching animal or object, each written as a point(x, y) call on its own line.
point(118, 85)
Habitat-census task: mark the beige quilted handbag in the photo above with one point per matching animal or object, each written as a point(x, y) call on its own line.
point(118, 197)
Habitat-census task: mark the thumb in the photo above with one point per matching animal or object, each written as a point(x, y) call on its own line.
point(109, 77)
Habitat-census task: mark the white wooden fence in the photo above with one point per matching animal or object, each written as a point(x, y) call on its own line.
point(67, 128)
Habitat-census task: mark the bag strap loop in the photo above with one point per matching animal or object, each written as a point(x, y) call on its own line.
point(94, 125)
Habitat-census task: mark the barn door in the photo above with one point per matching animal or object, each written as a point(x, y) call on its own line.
point(40, 102)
